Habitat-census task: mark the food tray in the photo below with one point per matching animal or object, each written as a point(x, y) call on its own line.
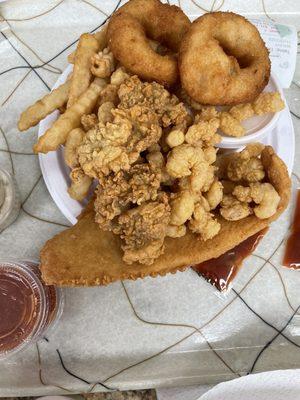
point(166, 331)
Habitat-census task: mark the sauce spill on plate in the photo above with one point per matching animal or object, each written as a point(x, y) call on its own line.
point(220, 271)
point(291, 257)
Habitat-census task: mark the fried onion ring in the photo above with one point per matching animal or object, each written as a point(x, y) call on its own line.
point(223, 60)
point(138, 20)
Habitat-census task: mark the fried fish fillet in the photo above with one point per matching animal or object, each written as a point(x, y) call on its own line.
point(84, 256)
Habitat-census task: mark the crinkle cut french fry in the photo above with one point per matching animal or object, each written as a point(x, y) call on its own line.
point(80, 184)
point(58, 133)
point(102, 42)
point(74, 139)
point(71, 57)
point(39, 110)
point(82, 75)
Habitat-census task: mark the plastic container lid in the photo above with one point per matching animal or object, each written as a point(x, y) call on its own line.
point(27, 307)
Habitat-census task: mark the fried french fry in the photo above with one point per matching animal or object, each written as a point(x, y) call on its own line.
point(59, 131)
point(102, 42)
point(82, 75)
point(71, 57)
point(73, 141)
point(80, 184)
point(39, 110)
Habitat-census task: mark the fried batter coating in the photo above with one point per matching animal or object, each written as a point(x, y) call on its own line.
point(183, 96)
point(252, 150)
point(232, 209)
point(186, 160)
point(263, 194)
point(70, 152)
point(182, 207)
point(210, 154)
point(109, 94)
point(117, 191)
point(267, 199)
point(250, 170)
point(214, 195)
point(89, 121)
point(119, 76)
point(190, 161)
point(155, 97)
point(176, 136)
point(114, 146)
point(231, 126)
point(175, 231)
point(246, 165)
point(104, 112)
point(203, 133)
point(144, 229)
point(104, 149)
point(203, 222)
point(242, 111)
point(268, 102)
point(80, 184)
point(212, 76)
point(242, 193)
point(102, 63)
point(133, 24)
point(207, 113)
point(230, 122)
point(157, 160)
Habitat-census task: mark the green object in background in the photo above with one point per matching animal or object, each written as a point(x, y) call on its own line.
point(283, 30)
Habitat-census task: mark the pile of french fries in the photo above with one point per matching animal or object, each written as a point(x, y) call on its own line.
point(75, 98)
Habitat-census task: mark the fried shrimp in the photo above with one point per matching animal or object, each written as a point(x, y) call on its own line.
point(203, 222)
point(128, 33)
point(223, 60)
point(263, 194)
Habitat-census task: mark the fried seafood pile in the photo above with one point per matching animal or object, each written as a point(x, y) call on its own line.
point(141, 116)
point(245, 190)
point(158, 172)
point(231, 120)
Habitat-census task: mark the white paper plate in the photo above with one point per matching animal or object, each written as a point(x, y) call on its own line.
point(274, 385)
point(56, 173)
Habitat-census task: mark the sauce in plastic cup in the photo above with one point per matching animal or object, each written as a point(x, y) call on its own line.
point(28, 308)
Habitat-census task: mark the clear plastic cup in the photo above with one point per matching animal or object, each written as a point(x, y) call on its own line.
point(11, 204)
point(28, 308)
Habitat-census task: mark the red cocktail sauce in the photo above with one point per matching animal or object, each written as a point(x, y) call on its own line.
point(220, 271)
point(291, 257)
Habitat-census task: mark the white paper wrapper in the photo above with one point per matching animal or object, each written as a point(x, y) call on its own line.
point(281, 40)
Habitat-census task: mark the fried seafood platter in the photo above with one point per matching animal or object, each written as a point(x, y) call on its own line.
point(141, 117)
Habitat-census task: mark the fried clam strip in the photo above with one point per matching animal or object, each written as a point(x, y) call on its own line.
point(80, 183)
point(58, 133)
point(43, 107)
point(87, 47)
point(83, 256)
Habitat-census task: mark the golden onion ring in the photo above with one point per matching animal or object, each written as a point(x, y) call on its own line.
point(128, 33)
point(223, 60)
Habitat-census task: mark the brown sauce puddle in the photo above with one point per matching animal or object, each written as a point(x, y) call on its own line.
point(291, 258)
point(222, 270)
